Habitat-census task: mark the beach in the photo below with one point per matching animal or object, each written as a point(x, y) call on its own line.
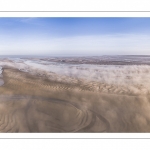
point(49, 100)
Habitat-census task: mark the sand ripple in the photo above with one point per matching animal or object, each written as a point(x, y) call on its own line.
point(30, 103)
point(28, 114)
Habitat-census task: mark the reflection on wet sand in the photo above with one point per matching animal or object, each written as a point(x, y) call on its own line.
point(30, 103)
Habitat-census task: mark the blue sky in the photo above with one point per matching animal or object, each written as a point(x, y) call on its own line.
point(74, 36)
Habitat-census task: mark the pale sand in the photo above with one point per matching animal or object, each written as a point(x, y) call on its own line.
point(33, 104)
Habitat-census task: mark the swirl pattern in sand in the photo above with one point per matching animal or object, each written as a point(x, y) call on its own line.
point(43, 96)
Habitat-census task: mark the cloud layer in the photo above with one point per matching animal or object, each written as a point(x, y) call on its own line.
point(118, 44)
point(122, 79)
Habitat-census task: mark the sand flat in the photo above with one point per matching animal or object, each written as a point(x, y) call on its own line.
point(29, 104)
point(32, 103)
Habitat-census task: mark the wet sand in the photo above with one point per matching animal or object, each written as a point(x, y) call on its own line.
point(30, 103)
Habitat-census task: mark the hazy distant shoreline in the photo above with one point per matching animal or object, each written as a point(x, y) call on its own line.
point(96, 60)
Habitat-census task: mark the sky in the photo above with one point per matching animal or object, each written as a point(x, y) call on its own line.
point(74, 36)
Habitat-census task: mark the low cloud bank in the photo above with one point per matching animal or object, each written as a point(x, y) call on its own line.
point(133, 79)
